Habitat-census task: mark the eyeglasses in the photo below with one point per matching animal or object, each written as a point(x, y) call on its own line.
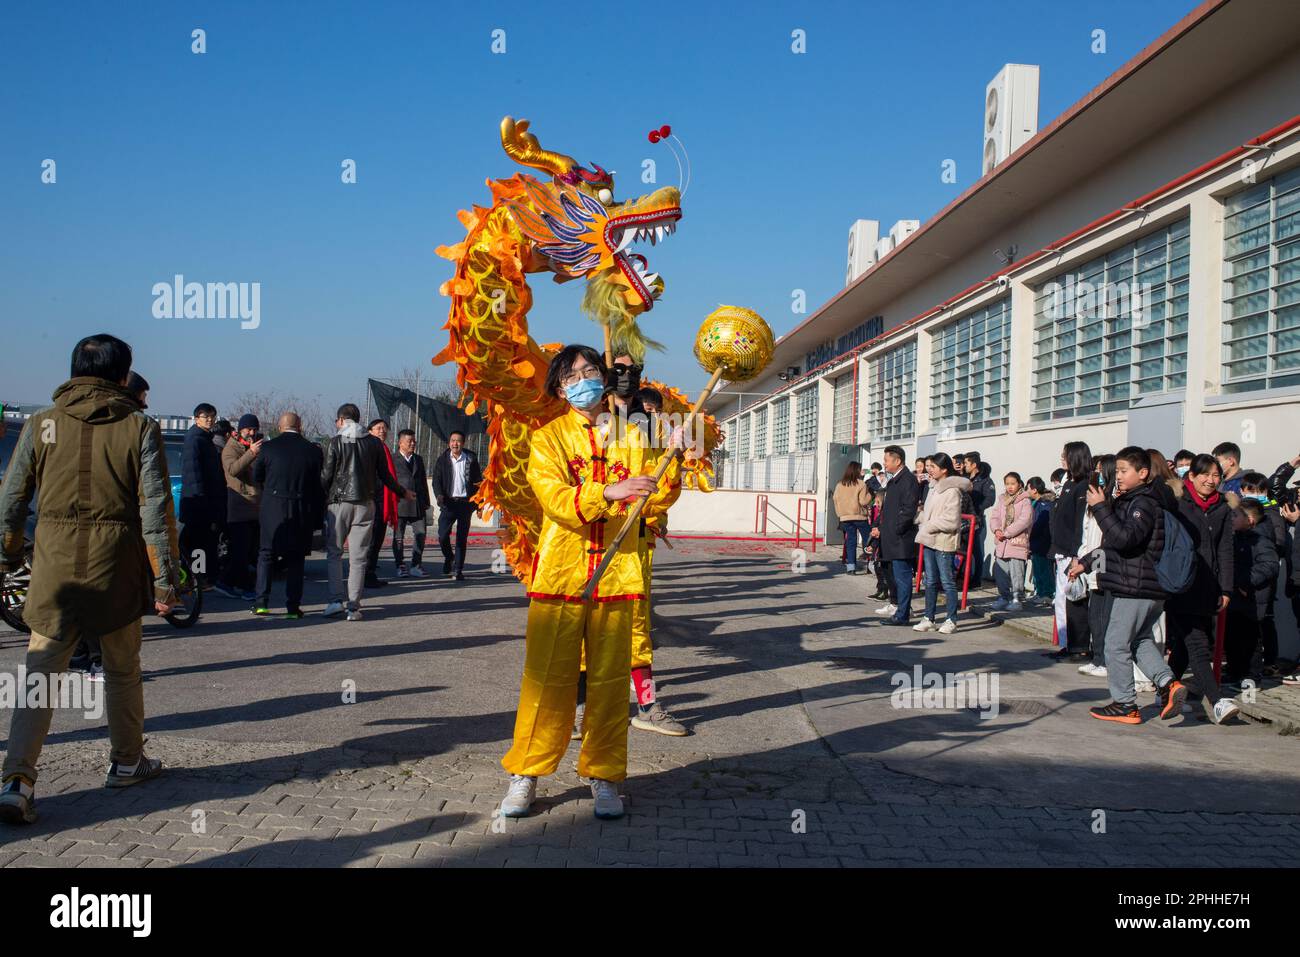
point(591, 373)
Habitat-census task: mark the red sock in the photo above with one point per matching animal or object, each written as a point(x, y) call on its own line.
point(644, 683)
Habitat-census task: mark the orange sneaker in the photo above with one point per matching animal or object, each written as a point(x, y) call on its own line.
point(1123, 713)
point(1172, 697)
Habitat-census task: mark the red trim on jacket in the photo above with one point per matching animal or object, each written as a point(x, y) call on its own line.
point(577, 599)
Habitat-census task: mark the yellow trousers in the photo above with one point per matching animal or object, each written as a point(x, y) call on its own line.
point(558, 634)
point(642, 651)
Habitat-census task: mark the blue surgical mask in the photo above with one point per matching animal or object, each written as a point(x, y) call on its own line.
point(585, 394)
point(1182, 471)
point(1256, 497)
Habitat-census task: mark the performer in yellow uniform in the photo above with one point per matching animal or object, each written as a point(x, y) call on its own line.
point(585, 475)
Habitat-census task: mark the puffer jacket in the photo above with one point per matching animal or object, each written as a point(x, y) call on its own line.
point(1014, 517)
point(243, 496)
point(940, 521)
point(97, 466)
point(355, 464)
point(1040, 535)
point(851, 501)
point(1254, 571)
point(203, 483)
point(1132, 539)
point(1211, 532)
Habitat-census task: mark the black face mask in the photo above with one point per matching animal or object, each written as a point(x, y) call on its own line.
point(626, 380)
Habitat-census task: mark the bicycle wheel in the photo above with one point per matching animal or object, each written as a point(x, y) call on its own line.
point(190, 604)
point(13, 594)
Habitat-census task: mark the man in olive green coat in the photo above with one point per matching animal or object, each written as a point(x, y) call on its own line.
point(105, 555)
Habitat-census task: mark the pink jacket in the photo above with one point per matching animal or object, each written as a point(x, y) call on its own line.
point(1015, 518)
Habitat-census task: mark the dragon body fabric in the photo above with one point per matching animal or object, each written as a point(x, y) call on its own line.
point(569, 225)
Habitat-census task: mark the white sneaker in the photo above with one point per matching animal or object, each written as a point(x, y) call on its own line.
point(925, 624)
point(519, 796)
point(608, 804)
point(1099, 671)
point(1087, 668)
point(1014, 606)
point(1224, 709)
point(948, 627)
point(887, 610)
point(1000, 605)
point(354, 614)
point(417, 571)
point(333, 608)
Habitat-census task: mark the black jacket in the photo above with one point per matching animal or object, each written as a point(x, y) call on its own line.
point(444, 481)
point(355, 464)
point(411, 475)
point(983, 493)
point(1211, 533)
point(1132, 539)
point(898, 517)
point(203, 480)
point(1255, 572)
point(1067, 517)
point(293, 503)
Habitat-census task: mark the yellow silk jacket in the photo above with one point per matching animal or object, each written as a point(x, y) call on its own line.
point(569, 466)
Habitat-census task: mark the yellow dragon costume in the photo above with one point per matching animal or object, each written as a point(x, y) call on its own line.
point(548, 467)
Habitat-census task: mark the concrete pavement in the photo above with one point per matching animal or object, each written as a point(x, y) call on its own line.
point(797, 755)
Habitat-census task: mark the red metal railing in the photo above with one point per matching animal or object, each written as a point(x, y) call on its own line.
point(965, 565)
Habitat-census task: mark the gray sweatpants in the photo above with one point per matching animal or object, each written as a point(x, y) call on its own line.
point(354, 523)
point(1129, 641)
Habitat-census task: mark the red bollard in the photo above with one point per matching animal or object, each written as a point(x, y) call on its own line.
point(970, 545)
point(920, 565)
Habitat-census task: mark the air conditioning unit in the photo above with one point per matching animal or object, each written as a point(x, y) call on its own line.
point(884, 246)
point(863, 236)
point(1010, 112)
point(901, 230)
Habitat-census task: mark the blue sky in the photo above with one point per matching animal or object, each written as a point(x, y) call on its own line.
point(225, 166)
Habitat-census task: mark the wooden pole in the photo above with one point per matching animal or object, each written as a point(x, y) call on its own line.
point(634, 516)
point(609, 364)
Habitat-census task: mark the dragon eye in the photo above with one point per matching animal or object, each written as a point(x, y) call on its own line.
point(606, 197)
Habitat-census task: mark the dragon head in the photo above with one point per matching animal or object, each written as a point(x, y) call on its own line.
point(582, 231)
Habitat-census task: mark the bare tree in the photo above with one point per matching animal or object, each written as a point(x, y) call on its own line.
point(270, 404)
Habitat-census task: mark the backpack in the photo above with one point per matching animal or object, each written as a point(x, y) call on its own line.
point(1176, 566)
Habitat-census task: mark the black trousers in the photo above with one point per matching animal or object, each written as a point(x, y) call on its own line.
point(379, 530)
point(241, 554)
point(416, 525)
point(1191, 642)
point(456, 512)
point(293, 575)
point(1098, 603)
point(201, 532)
point(1239, 640)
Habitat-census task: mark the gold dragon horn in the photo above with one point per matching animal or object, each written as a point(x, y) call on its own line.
point(523, 147)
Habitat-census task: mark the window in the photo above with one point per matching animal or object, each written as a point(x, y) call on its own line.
point(805, 420)
point(781, 426)
point(760, 432)
point(1261, 286)
point(743, 444)
point(842, 409)
point(971, 364)
point(1114, 329)
point(892, 397)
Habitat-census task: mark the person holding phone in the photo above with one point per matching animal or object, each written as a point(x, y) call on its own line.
point(243, 503)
